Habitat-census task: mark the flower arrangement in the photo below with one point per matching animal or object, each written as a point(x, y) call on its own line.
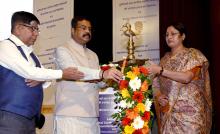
point(134, 99)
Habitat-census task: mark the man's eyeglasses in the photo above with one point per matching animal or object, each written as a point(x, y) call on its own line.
point(83, 27)
point(33, 28)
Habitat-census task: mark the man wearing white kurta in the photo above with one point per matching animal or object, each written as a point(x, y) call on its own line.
point(77, 102)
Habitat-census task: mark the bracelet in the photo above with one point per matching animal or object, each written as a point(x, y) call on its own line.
point(161, 71)
point(103, 74)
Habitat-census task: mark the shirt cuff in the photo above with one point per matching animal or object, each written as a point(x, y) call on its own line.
point(90, 74)
point(46, 84)
point(59, 74)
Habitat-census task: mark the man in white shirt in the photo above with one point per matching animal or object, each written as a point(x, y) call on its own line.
point(77, 102)
point(22, 77)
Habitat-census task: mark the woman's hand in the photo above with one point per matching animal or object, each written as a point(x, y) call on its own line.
point(154, 68)
point(163, 100)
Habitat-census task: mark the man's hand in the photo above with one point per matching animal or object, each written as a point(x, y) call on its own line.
point(72, 73)
point(113, 74)
point(32, 83)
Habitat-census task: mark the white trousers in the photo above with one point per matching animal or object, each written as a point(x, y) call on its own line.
point(76, 125)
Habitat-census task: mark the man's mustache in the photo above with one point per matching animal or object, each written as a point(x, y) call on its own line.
point(87, 34)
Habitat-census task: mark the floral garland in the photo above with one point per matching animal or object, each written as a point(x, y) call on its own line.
point(133, 100)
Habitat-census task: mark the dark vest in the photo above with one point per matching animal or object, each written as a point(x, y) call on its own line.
point(16, 96)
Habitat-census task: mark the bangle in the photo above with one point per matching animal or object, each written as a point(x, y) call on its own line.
point(161, 71)
point(103, 74)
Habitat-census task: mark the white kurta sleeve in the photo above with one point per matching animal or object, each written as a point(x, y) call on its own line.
point(61, 56)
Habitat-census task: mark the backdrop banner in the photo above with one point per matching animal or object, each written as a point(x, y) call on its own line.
point(143, 17)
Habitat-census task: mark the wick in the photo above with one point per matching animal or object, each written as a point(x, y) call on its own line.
point(124, 64)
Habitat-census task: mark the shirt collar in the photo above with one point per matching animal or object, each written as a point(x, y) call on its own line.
point(77, 45)
point(18, 42)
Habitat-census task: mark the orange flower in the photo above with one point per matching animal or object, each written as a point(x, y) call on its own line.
point(138, 96)
point(125, 121)
point(132, 113)
point(144, 86)
point(145, 130)
point(138, 131)
point(144, 70)
point(136, 70)
point(123, 84)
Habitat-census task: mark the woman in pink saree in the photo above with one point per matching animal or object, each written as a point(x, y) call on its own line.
point(182, 87)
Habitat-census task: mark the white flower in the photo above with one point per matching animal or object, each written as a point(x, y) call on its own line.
point(138, 123)
point(125, 104)
point(113, 65)
point(129, 104)
point(135, 83)
point(104, 65)
point(148, 104)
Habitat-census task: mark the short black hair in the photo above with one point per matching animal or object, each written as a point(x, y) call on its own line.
point(75, 20)
point(22, 17)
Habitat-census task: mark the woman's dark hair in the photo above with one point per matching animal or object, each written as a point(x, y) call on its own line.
point(22, 17)
point(182, 29)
